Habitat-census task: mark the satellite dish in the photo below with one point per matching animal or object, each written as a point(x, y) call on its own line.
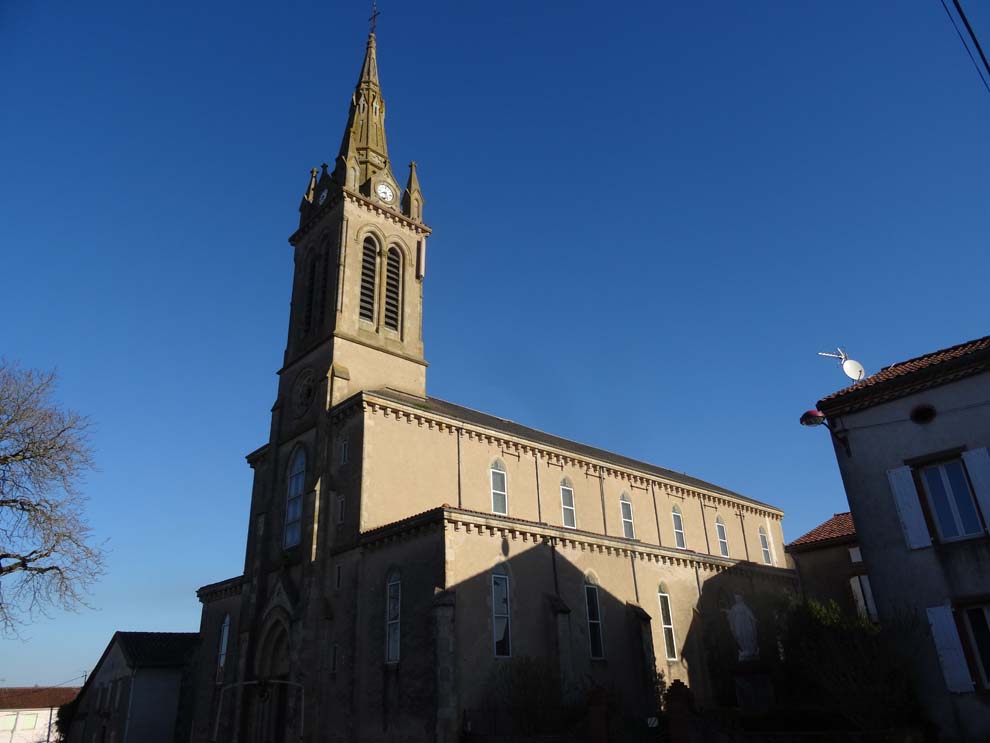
point(853, 369)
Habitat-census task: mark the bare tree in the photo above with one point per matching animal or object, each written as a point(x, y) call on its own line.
point(46, 559)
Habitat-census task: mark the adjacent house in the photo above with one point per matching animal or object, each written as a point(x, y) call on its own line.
point(911, 443)
point(139, 690)
point(830, 566)
point(28, 714)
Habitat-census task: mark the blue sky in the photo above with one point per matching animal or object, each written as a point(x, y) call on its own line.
point(647, 222)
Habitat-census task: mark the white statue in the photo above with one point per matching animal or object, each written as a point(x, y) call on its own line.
point(743, 626)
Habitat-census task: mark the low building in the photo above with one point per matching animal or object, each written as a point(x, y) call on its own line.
point(28, 714)
point(911, 443)
point(139, 690)
point(830, 566)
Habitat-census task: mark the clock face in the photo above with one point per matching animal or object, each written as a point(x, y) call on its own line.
point(323, 196)
point(385, 192)
point(303, 392)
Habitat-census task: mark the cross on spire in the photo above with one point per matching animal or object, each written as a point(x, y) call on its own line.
point(374, 15)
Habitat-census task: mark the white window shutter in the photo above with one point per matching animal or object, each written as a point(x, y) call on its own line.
point(949, 649)
point(978, 465)
point(909, 508)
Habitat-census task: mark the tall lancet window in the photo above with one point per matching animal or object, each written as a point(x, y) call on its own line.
point(393, 289)
point(369, 269)
point(294, 499)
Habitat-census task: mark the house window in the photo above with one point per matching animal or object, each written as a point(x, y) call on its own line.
point(393, 289)
point(863, 596)
point(855, 555)
point(500, 496)
point(340, 509)
point(501, 629)
point(567, 503)
point(294, 499)
point(369, 268)
point(625, 508)
point(393, 609)
point(667, 622)
point(950, 500)
point(222, 648)
point(977, 621)
point(765, 546)
point(679, 540)
point(723, 540)
point(596, 645)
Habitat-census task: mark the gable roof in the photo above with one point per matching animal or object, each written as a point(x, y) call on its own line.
point(468, 415)
point(914, 375)
point(838, 527)
point(157, 649)
point(36, 697)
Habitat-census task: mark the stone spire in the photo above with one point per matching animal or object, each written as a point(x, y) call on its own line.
point(412, 197)
point(363, 150)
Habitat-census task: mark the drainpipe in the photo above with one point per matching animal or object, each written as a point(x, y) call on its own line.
point(130, 700)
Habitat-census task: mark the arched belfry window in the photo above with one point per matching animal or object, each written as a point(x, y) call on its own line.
point(723, 540)
point(310, 294)
point(369, 270)
point(294, 499)
point(393, 289)
point(500, 490)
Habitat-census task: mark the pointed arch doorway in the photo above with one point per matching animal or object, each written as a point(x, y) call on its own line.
point(271, 695)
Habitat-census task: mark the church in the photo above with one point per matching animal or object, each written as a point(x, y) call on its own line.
point(417, 570)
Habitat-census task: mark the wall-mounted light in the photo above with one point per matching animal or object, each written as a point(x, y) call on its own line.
point(811, 418)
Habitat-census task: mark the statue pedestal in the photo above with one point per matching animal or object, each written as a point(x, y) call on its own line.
point(754, 692)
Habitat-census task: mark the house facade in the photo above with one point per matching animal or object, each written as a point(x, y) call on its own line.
point(28, 714)
point(410, 562)
point(830, 566)
point(139, 690)
point(911, 442)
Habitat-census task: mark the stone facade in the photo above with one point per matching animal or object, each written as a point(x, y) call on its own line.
point(409, 560)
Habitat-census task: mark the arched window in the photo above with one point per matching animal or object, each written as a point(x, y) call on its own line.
point(765, 546)
point(723, 540)
point(393, 289)
point(294, 499)
point(500, 493)
point(667, 622)
point(222, 648)
point(594, 610)
point(625, 508)
point(369, 268)
point(393, 614)
point(501, 613)
point(567, 503)
point(310, 293)
point(679, 540)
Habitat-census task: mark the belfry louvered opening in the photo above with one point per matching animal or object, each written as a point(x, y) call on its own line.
point(369, 261)
point(393, 288)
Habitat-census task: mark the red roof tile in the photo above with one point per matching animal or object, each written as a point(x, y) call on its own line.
point(840, 525)
point(36, 697)
point(913, 375)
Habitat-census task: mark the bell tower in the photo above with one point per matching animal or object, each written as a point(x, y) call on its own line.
point(360, 258)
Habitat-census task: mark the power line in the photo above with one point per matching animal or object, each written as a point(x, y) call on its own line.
point(976, 42)
point(965, 45)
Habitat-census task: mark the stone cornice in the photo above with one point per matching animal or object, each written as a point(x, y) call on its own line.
point(517, 446)
point(474, 522)
point(221, 590)
point(343, 194)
